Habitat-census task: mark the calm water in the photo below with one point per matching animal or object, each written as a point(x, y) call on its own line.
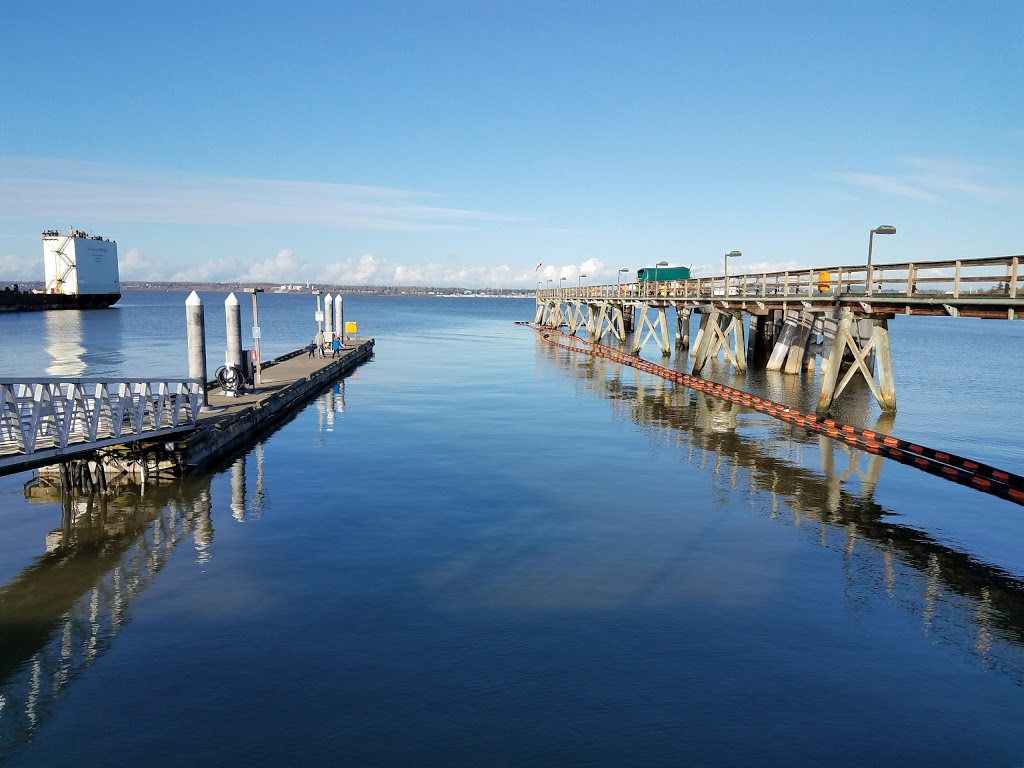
point(478, 550)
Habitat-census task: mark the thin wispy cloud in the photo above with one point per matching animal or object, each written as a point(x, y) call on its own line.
point(37, 187)
point(936, 180)
point(887, 185)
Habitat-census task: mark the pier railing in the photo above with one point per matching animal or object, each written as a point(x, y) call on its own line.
point(44, 420)
point(951, 280)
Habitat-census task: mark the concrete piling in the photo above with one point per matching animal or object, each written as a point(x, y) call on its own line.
point(339, 318)
point(233, 321)
point(195, 328)
point(329, 318)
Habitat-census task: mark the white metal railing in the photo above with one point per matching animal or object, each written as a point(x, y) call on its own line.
point(51, 418)
point(959, 279)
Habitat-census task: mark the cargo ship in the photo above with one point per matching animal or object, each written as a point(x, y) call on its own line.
point(79, 272)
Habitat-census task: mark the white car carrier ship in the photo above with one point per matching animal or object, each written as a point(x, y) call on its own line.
point(79, 272)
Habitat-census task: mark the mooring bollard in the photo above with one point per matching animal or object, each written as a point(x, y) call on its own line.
point(195, 327)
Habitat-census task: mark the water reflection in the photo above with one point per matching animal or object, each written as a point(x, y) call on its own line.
point(65, 342)
point(959, 600)
point(329, 406)
point(65, 610)
point(246, 507)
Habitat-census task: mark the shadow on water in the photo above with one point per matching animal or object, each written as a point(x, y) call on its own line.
point(961, 602)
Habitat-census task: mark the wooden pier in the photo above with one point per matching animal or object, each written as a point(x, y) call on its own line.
point(840, 313)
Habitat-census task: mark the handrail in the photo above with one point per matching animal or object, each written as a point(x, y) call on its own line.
point(996, 277)
point(52, 418)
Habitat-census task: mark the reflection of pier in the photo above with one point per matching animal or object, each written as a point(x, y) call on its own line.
point(64, 611)
point(960, 601)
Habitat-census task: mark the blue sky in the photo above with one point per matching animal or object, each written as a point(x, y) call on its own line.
point(463, 143)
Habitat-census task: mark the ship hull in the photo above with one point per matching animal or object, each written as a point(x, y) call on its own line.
point(16, 301)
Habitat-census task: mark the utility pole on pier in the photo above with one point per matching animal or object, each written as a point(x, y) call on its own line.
point(256, 334)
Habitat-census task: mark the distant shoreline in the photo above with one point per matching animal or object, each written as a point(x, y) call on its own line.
point(366, 290)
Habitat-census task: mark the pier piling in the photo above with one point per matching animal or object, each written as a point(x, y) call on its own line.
point(233, 321)
point(329, 318)
point(195, 328)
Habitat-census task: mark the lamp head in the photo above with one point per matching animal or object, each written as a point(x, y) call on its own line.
point(662, 264)
point(733, 254)
point(885, 229)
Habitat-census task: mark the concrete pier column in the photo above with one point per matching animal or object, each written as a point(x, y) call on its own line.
point(755, 337)
point(682, 327)
point(329, 318)
point(705, 339)
point(785, 340)
point(701, 330)
point(829, 326)
point(773, 329)
point(195, 328)
point(339, 318)
point(233, 320)
point(619, 324)
point(798, 344)
point(629, 318)
point(886, 378)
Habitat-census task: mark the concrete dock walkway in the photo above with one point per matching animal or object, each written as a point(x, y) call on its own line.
point(279, 376)
point(229, 422)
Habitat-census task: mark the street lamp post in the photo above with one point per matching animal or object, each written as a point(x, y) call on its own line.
point(579, 283)
point(885, 229)
point(729, 255)
point(560, 281)
point(549, 282)
point(659, 264)
point(256, 335)
point(540, 284)
point(618, 276)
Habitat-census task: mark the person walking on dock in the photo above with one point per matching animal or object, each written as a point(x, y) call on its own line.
point(319, 341)
point(335, 347)
point(311, 348)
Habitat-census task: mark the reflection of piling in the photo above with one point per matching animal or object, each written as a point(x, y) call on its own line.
point(233, 319)
point(203, 526)
point(238, 489)
point(195, 326)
